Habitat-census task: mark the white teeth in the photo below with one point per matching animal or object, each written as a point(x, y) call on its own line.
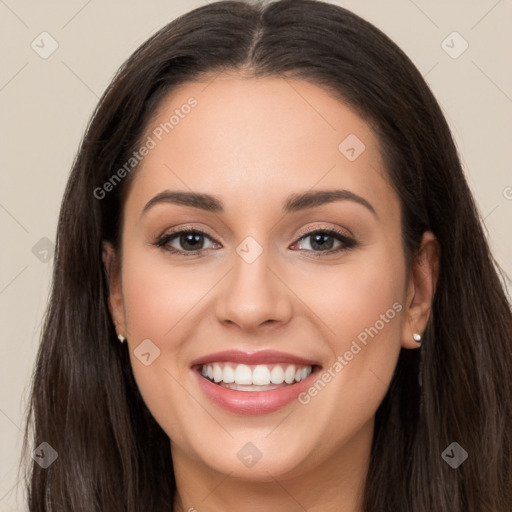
point(289, 374)
point(261, 376)
point(277, 375)
point(217, 373)
point(228, 376)
point(243, 374)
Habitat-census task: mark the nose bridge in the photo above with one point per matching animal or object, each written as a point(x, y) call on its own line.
point(252, 294)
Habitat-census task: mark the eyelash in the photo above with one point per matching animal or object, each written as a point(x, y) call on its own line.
point(348, 243)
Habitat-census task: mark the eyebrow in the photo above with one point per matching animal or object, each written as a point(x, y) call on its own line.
point(295, 202)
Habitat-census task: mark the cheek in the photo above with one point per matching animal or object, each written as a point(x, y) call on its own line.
point(370, 306)
point(158, 302)
point(360, 300)
point(157, 296)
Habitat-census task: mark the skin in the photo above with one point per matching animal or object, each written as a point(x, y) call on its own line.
point(252, 143)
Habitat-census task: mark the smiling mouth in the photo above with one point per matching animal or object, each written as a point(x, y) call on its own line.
point(259, 377)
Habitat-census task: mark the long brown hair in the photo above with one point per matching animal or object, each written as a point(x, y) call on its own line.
point(112, 455)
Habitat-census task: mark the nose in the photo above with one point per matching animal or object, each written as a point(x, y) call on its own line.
point(253, 295)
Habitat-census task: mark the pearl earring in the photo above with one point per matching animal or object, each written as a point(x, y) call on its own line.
point(121, 338)
point(417, 338)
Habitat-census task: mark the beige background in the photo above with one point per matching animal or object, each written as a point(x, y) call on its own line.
point(46, 103)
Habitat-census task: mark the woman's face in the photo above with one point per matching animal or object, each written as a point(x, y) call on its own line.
point(269, 171)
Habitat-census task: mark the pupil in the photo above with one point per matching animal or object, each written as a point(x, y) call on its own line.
point(188, 239)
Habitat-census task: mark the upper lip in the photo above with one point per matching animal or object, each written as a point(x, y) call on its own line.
point(256, 357)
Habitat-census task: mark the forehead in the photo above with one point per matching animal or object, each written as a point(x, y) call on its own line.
point(259, 140)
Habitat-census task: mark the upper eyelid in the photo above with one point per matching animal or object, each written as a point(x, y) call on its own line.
point(313, 230)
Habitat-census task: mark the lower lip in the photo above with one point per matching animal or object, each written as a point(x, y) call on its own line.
point(253, 402)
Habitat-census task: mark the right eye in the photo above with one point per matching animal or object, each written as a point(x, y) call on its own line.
point(192, 239)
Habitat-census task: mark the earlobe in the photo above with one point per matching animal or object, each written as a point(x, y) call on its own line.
point(421, 290)
point(112, 273)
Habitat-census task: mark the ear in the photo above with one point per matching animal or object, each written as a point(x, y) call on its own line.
point(421, 288)
point(113, 273)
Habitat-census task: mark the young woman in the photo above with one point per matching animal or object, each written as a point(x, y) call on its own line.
point(272, 290)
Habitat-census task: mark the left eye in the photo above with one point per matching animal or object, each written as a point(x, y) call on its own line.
point(324, 240)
